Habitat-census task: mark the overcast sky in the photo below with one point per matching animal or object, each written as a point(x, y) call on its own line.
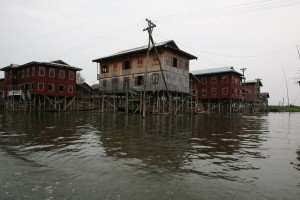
point(258, 35)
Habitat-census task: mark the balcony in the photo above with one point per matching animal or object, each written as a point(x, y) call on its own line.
point(16, 93)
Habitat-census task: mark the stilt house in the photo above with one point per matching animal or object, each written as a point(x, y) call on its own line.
point(44, 80)
point(252, 90)
point(1, 88)
point(218, 87)
point(126, 70)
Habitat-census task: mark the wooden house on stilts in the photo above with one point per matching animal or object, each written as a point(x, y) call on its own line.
point(220, 90)
point(40, 86)
point(126, 75)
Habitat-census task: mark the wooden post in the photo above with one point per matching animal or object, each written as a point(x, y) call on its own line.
point(163, 101)
point(126, 101)
point(114, 100)
point(182, 103)
point(65, 106)
point(44, 103)
point(176, 103)
point(230, 105)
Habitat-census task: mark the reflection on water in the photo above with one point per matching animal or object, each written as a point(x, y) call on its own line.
point(110, 152)
point(297, 163)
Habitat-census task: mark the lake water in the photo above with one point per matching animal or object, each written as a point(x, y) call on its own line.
point(87, 155)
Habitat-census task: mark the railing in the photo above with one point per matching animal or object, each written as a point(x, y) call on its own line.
point(28, 94)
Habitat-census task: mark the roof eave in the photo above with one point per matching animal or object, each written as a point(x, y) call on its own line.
point(168, 45)
point(51, 64)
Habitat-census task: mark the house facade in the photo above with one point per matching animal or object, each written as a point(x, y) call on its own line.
point(264, 98)
point(252, 90)
point(219, 90)
point(1, 88)
point(218, 83)
point(55, 78)
point(126, 70)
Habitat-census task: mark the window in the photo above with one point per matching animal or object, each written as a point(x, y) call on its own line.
point(126, 64)
point(204, 80)
point(224, 79)
point(213, 79)
point(52, 72)
point(139, 80)
point(32, 71)
point(115, 84)
point(168, 61)
point(174, 64)
point(155, 78)
point(70, 88)
point(234, 91)
point(224, 91)
point(71, 75)
point(61, 74)
point(213, 91)
point(140, 62)
point(23, 73)
point(41, 71)
point(126, 82)
point(167, 76)
point(61, 88)
point(180, 63)
point(115, 67)
point(27, 72)
point(32, 86)
point(51, 87)
point(204, 92)
point(40, 86)
point(155, 60)
point(186, 65)
point(104, 69)
point(104, 83)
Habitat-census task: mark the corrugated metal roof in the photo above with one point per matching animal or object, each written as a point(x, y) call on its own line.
point(58, 63)
point(168, 44)
point(95, 86)
point(9, 66)
point(216, 71)
point(253, 81)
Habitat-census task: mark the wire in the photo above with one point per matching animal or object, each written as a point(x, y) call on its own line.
point(106, 37)
point(225, 11)
point(196, 15)
point(235, 56)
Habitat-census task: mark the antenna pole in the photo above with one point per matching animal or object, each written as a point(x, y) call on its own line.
point(150, 27)
point(243, 70)
point(287, 89)
point(245, 94)
point(298, 51)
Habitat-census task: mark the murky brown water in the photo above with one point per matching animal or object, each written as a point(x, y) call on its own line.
point(113, 156)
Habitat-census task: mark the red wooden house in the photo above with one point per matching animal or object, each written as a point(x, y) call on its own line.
point(217, 86)
point(50, 79)
point(252, 89)
point(1, 88)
